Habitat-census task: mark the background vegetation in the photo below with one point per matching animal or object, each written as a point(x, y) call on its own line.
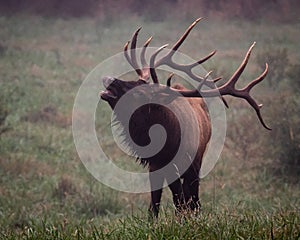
point(45, 53)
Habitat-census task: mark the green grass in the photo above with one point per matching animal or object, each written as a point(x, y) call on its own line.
point(45, 191)
point(224, 224)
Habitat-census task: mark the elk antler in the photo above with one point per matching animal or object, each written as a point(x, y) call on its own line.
point(167, 59)
point(227, 88)
point(144, 72)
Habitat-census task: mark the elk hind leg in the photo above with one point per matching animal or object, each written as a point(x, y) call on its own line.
point(177, 192)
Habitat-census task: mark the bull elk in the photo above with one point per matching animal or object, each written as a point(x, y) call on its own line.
point(183, 183)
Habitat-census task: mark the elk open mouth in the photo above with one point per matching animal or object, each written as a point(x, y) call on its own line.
point(109, 92)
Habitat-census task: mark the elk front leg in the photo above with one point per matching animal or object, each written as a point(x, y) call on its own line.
point(156, 182)
point(177, 192)
point(176, 189)
point(192, 193)
point(186, 191)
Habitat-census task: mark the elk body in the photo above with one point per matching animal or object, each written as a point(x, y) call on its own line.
point(183, 182)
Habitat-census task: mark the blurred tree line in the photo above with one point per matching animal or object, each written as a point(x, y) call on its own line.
point(157, 10)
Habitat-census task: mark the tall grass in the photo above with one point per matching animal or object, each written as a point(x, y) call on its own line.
point(245, 224)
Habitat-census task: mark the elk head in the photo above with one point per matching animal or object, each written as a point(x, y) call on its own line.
point(116, 88)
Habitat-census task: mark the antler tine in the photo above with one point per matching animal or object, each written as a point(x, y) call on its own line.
point(145, 66)
point(181, 40)
point(257, 80)
point(176, 46)
point(211, 84)
point(143, 52)
point(152, 63)
point(131, 61)
point(169, 79)
point(232, 81)
point(133, 53)
point(126, 53)
point(205, 79)
point(202, 60)
point(216, 79)
point(257, 108)
point(251, 101)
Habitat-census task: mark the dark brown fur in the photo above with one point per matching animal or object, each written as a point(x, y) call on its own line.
point(185, 189)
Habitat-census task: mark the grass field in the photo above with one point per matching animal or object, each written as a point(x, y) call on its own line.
point(45, 191)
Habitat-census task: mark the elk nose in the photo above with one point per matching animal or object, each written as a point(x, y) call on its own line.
point(107, 81)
